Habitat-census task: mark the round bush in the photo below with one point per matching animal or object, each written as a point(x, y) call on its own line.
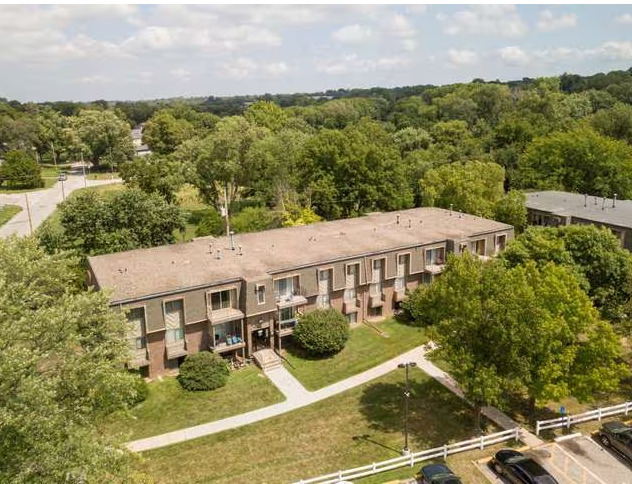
point(142, 390)
point(322, 332)
point(203, 371)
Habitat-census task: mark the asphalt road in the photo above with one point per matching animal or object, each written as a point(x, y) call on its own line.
point(42, 203)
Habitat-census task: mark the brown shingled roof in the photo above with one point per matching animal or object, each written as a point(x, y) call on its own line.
point(144, 272)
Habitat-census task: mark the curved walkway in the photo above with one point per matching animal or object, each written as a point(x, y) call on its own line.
point(295, 393)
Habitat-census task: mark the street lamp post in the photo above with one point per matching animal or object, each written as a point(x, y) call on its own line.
point(407, 365)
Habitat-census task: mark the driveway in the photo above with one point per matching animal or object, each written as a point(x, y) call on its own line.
point(43, 202)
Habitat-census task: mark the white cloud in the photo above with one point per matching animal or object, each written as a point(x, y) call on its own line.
point(409, 45)
point(352, 63)
point(458, 58)
point(181, 74)
point(352, 34)
point(549, 23)
point(398, 25)
point(416, 9)
point(276, 69)
point(625, 19)
point(502, 20)
point(513, 56)
point(95, 79)
point(240, 68)
point(614, 51)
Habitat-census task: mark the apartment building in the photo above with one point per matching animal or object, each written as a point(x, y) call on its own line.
point(553, 208)
point(237, 295)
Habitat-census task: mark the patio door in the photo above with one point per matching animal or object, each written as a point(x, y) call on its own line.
point(260, 339)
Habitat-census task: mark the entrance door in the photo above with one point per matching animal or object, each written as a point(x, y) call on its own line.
point(261, 339)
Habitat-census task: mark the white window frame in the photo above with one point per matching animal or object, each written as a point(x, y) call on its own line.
point(182, 323)
point(261, 294)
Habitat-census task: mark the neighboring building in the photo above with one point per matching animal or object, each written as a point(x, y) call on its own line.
point(236, 296)
point(137, 141)
point(553, 209)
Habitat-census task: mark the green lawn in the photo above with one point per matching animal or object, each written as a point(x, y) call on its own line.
point(52, 171)
point(169, 407)
point(354, 428)
point(7, 212)
point(106, 175)
point(366, 348)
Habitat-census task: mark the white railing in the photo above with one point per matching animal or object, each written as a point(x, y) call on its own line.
point(414, 458)
point(568, 420)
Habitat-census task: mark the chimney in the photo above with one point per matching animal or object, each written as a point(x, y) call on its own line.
point(450, 210)
point(614, 200)
point(219, 254)
point(585, 199)
point(397, 219)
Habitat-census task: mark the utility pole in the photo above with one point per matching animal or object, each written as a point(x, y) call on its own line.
point(226, 209)
point(28, 212)
point(407, 365)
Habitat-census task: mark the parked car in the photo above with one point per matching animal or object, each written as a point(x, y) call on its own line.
point(520, 469)
point(618, 436)
point(437, 474)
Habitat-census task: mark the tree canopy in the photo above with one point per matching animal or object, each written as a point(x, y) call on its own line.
point(62, 352)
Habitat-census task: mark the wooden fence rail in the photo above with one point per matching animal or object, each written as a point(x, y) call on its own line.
point(568, 420)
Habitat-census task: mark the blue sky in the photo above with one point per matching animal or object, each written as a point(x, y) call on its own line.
point(84, 52)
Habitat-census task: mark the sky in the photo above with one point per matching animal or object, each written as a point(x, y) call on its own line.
point(132, 52)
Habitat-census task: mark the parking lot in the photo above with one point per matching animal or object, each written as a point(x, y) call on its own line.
point(578, 460)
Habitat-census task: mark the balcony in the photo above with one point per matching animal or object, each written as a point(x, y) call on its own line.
point(436, 268)
point(176, 349)
point(228, 343)
point(376, 300)
point(287, 326)
point(351, 306)
point(140, 357)
point(218, 316)
point(290, 299)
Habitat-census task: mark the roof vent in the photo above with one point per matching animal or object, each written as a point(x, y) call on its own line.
point(614, 200)
point(595, 200)
point(232, 240)
point(219, 254)
point(603, 203)
point(585, 199)
point(397, 219)
point(450, 210)
point(239, 252)
point(410, 223)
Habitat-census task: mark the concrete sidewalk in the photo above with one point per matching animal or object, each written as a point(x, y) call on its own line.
point(42, 203)
point(297, 397)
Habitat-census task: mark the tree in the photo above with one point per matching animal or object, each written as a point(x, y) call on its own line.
point(615, 122)
point(593, 253)
point(322, 332)
point(473, 187)
point(203, 371)
point(210, 223)
point(255, 219)
point(129, 219)
point(512, 210)
point(20, 170)
point(519, 331)
point(163, 132)
point(155, 174)
point(579, 160)
point(61, 371)
point(107, 138)
point(267, 115)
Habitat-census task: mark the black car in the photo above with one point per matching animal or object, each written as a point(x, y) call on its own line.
point(438, 474)
point(618, 436)
point(520, 469)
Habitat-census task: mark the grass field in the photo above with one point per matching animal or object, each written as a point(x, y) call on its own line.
point(7, 212)
point(48, 183)
point(168, 407)
point(366, 348)
point(354, 428)
point(103, 175)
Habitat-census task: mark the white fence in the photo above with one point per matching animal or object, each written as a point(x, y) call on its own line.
point(568, 420)
point(416, 457)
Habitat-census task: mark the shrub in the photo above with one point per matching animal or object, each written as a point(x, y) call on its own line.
point(142, 390)
point(322, 332)
point(203, 371)
point(20, 170)
point(209, 222)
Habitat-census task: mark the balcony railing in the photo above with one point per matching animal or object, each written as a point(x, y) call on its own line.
point(228, 342)
point(290, 298)
point(217, 316)
point(351, 306)
point(287, 326)
point(176, 349)
point(376, 300)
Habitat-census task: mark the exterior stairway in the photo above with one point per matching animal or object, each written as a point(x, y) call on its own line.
point(266, 359)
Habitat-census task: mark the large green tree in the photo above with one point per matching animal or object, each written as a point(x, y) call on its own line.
point(579, 160)
point(593, 253)
point(20, 170)
point(106, 138)
point(163, 132)
point(155, 174)
point(519, 331)
point(62, 352)
point(90, 223)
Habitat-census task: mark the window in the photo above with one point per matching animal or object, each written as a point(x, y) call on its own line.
point(403, 265)
point(137, 331)
point(324, 281)
point(227, 334)
point(478, 247)
point(286, 314)
point(174, 321)
point(284, 288)
point(501, 242)
point(261, 294)
point(221, 300)
point(353, 318)
point(435, 257)
point(351, 281)
point(463, 247)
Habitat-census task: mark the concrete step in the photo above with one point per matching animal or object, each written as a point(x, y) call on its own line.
point(266, 359)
